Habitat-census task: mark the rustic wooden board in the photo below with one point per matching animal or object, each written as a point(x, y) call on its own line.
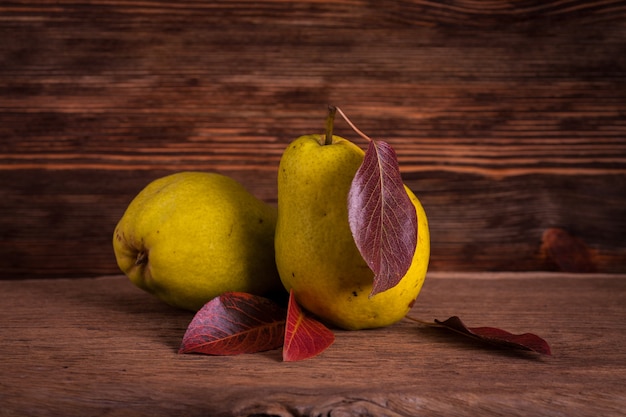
point(83, 347)
point(508, 117)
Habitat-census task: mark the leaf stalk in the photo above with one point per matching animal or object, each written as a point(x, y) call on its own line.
point(356, 129)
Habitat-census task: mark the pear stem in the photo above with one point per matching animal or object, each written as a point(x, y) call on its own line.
point(330, 120)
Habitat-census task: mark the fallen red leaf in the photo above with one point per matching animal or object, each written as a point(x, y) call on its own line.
point(498, 337)
point(235, 323)
point(305, 337)
point(382, 217)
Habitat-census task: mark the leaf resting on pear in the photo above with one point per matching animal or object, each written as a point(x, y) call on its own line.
point(382, 217)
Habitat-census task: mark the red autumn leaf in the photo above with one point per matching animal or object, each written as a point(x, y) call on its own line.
point(498, 337)
point(305, 337)
point(235, 323)
point(382, 217)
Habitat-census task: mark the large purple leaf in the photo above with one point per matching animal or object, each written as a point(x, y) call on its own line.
point(382, 217)
point(235, 323)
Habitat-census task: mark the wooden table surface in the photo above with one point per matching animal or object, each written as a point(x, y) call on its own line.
point(95, 347)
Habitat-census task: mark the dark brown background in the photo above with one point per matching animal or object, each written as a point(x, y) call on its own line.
point(509, 118)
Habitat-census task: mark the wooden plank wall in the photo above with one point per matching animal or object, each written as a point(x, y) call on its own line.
point(509, 118)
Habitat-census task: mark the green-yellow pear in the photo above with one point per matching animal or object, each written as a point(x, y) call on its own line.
point(316, 254)
point(191, 236)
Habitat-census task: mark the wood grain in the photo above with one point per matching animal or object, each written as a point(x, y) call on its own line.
point(81, 347)
point(508, 117)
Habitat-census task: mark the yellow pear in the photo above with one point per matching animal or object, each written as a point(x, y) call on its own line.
point(191, 236)
point(316, 254)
